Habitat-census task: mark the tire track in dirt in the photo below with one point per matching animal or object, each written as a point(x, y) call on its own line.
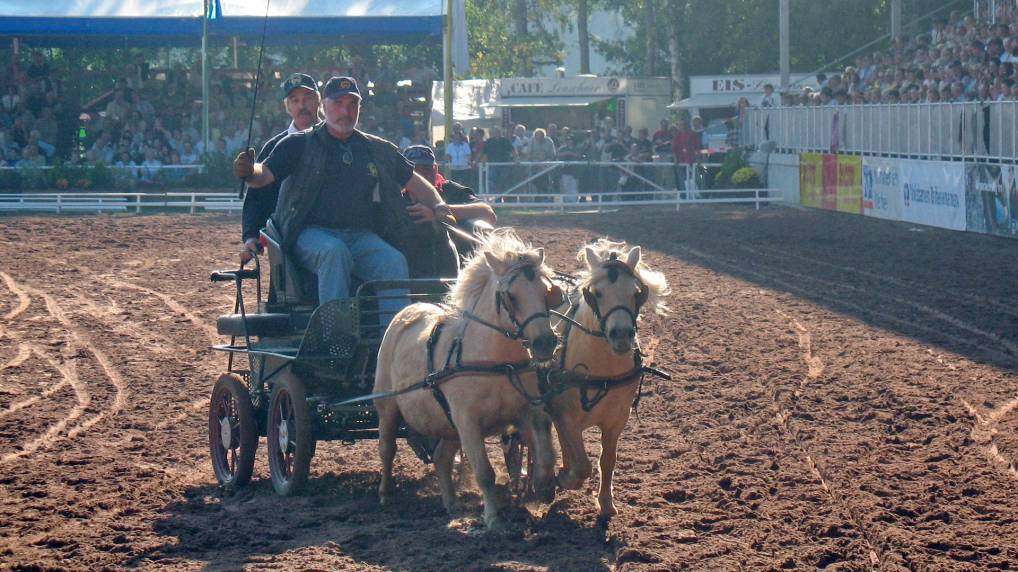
point(23, 300)
point(82, 340)
point(985, 428)
point(737, 269)
point(954, 321)
point(24, 352)
point(69, 373)
point(879, 554)
point(53, 388)
point(972, 298)
point(814, 369)
point(171, 303)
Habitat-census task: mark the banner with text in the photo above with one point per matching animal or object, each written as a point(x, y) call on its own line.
point(832, 182)
point(933, 193)
point(991, 199)
point(811, 179)
point(881, 187)
point(849, 184)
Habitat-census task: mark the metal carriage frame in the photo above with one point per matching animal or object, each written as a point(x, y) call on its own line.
point(303, 362)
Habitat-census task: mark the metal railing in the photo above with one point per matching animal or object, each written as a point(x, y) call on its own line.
point(977, 130)
point(582, 185)
point(992, 10)
point(81, 202)
point(123, 176)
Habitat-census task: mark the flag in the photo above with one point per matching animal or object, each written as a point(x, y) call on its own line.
point(213, 10)
point(460, 57)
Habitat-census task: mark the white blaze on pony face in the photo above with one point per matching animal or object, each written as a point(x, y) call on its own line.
point(523, 297)
point(614, 294)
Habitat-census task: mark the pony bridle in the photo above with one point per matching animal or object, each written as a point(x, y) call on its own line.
point(614, 266)
point(503, 299)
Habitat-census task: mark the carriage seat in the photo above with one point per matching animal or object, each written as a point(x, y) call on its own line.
point(261, 325)
point(289, 283)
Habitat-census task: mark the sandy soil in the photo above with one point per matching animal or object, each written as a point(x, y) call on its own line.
point(844, 398)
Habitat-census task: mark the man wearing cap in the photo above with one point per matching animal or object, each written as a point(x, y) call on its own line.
point(301, 101)
point(340, 209)
point(472, 214)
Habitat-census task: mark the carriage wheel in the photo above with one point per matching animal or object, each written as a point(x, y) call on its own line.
point(291, 444)
point(233, 431)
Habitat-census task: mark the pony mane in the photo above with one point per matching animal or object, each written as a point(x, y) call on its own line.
point(657, 285)
point(505, 245)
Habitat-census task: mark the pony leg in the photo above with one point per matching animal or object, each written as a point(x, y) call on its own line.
point(537, 434)
point(445, 454)
point(473, 446)
point(609, 450)
point(388, 423)
point(577, 466)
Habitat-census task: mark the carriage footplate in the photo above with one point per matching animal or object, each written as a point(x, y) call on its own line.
point(331, 337)
point(422, 446)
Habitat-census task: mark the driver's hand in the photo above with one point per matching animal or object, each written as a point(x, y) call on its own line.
point(443, 214)
point(248, 250)
point(243, 165)
point(420, 214)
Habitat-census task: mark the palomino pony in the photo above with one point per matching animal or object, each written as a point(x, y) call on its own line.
point(603, 348)
point(475, 362)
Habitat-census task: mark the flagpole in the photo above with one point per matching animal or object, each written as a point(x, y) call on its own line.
point(205, 78)
point(447, 91)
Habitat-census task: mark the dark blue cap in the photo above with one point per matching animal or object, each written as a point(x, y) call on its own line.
point(295, 80)
point(419, 155)
point(339, 86)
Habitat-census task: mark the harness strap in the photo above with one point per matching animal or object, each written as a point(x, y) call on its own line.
point(436, 332)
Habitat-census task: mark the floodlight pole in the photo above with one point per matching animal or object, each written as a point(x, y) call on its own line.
point(205, 77)
point(447, 89)
point(783, 42)
point(895, 19)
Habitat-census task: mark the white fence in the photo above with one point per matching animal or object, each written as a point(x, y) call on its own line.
point(583, 185)
point(921, 130)
point(77, 202)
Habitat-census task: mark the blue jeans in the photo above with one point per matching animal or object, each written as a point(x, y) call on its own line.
point(334, 255)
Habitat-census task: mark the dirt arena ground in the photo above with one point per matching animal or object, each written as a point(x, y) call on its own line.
point(844, 398)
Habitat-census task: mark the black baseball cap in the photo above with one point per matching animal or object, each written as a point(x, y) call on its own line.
point(295, 80)
point(419, 155)
point(339, 86)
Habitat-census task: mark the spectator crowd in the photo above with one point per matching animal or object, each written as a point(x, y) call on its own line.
point(958, 60)
point(147, 126)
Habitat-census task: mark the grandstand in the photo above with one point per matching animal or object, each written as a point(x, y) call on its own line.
point(135, 121)
point(925, 131)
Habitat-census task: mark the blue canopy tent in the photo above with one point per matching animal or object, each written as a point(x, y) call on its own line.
point(112, 23)
point(182, 23)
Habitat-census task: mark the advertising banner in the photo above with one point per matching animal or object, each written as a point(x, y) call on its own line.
point(991, 199)
point(849, 184)
point(830, 185)
point(881, 186)
point(811, 179)
point(933, 193)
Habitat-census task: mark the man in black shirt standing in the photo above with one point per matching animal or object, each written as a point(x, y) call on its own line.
point(498, 149)
point(341, 200)
point(301, 101)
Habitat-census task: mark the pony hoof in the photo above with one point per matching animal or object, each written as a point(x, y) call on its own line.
point(603, 534)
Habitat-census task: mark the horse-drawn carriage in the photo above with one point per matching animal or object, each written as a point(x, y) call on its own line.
point(291, 365)
point(311, 371)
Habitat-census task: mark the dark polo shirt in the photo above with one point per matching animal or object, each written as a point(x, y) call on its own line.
point(346, 200)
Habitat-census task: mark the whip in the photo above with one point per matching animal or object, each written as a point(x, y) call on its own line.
point(258, 81)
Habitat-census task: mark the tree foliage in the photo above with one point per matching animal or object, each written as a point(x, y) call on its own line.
point(715, 36)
